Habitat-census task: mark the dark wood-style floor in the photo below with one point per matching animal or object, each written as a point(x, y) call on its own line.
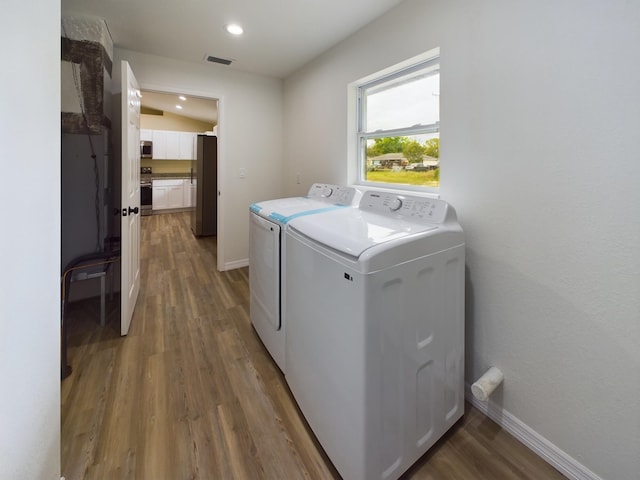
point(191, 393)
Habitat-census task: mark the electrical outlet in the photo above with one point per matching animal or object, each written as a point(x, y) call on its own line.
point(243, 173)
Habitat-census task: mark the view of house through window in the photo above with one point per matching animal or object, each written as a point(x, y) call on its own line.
point(398, 127)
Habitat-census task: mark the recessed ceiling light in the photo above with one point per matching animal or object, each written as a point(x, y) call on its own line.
point(179, 107)
point(183, 98)
point(234, 29)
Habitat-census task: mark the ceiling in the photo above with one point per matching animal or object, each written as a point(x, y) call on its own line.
point(280, 35)
point(203, 109)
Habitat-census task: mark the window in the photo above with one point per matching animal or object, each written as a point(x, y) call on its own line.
point(398, 127)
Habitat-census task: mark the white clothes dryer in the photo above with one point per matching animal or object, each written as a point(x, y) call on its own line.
point(375, 329)
point(268, 222)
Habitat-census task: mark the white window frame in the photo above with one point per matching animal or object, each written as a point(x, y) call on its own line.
point(357, 89)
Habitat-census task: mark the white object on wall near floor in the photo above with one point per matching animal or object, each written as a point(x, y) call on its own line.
point(487, 383)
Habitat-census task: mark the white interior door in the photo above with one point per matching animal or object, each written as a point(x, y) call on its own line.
point(130, 234)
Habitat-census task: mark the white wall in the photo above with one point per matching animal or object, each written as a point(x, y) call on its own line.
point(30, 241)
point(541, 159)
point(250, 135)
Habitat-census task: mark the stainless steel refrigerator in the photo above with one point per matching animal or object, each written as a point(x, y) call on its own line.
point(204, 216)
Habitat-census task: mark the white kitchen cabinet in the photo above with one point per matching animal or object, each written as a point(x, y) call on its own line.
point(159, 144)
point(168, 193)
point(146, 135)
point(189, 188)
point(186, 142)
point(176, 196)
point(171, 145)
point(160, 197)
point(172, 140)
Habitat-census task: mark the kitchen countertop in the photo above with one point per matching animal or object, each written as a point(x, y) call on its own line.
point(170, 175)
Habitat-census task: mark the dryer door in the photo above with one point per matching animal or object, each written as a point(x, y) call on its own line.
point(264, 273)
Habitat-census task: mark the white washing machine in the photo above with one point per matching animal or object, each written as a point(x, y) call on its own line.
point(375, 329)
point(268, 222)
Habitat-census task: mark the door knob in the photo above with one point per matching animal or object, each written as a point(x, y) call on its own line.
point(126, 212)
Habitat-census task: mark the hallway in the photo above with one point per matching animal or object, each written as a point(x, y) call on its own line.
point(191, 393)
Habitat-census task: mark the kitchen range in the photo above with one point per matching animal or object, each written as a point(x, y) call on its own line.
point(146, 191)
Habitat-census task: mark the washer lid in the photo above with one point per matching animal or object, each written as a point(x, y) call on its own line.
point(353, 231)
point(285, 209)
point(321, 198)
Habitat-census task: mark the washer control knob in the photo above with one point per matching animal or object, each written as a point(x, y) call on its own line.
point(327, 191)
point(395, 204)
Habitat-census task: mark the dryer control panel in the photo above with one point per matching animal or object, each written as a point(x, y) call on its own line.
point(411, 207)
point(333, 194)
point(321, 190)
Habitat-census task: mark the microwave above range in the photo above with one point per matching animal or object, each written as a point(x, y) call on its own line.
point(146, 149)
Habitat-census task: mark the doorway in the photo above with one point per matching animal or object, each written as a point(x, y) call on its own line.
point(181, 112)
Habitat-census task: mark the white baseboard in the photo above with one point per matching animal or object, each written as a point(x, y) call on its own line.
point(236, 264)
point(549, 452)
